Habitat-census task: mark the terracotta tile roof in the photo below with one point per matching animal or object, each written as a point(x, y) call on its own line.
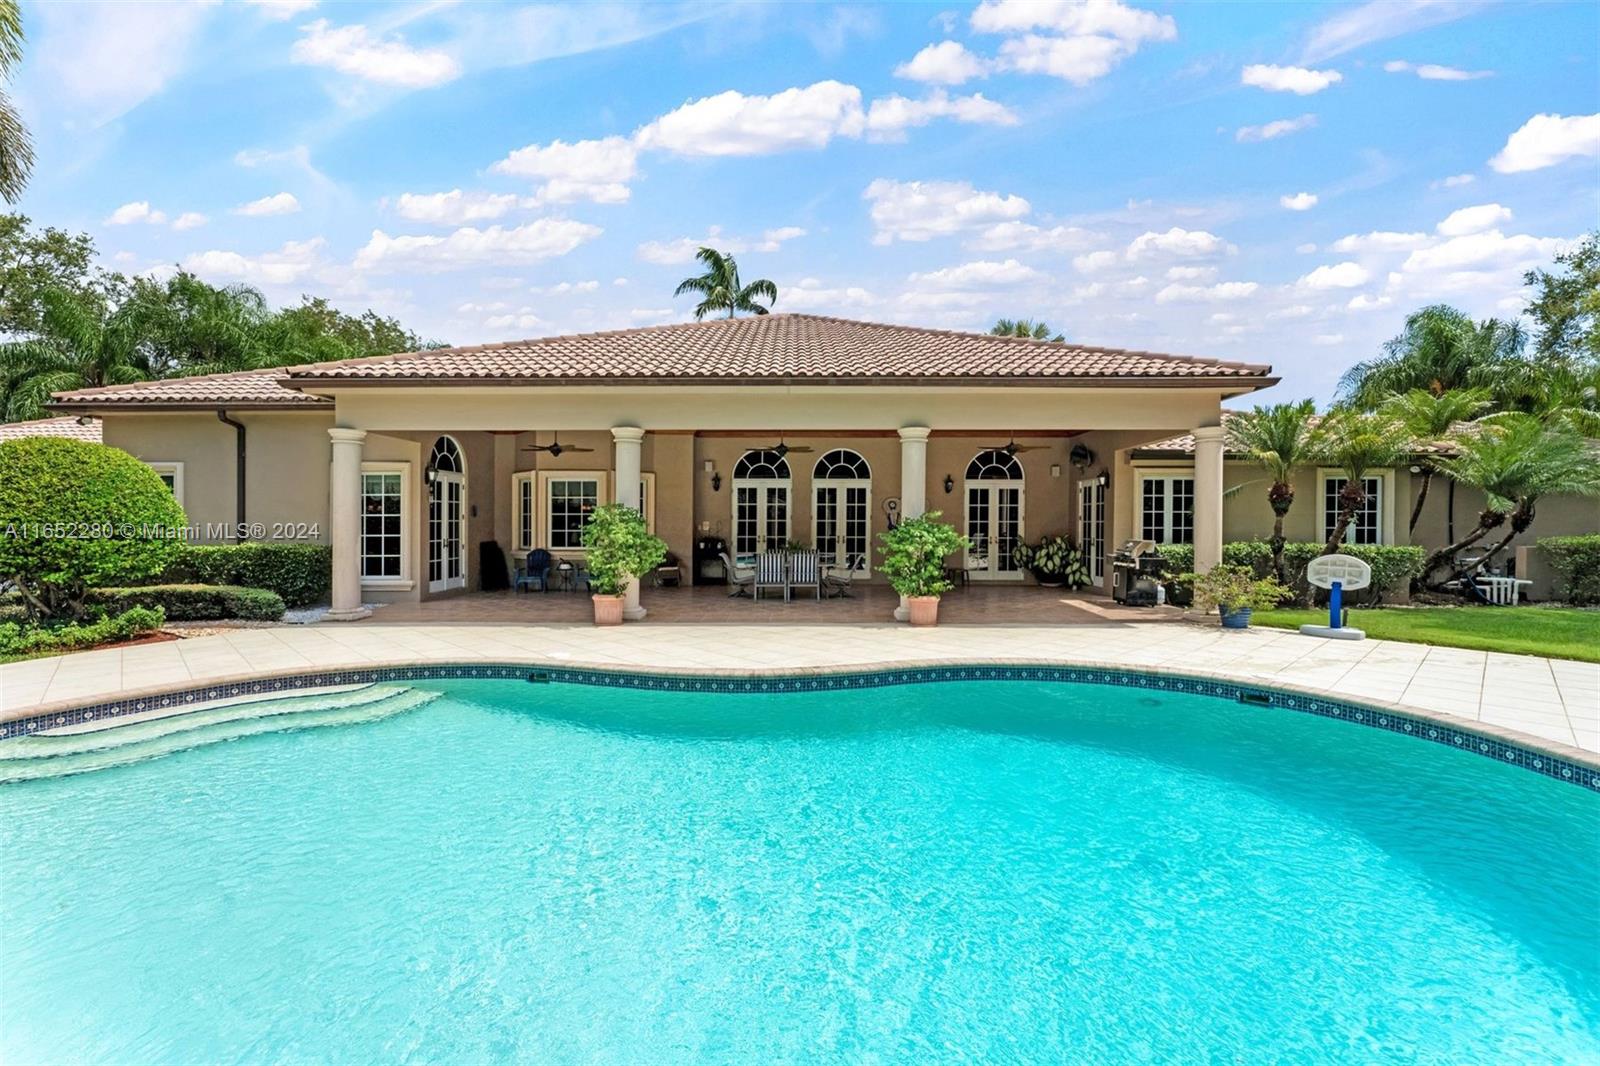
point(1183, 445)
point(52, 427)
point(781, 348)
point(244, 389)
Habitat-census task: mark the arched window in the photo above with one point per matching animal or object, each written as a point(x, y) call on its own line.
point(446, 457)
point(762, 465)
point(996, 464)
point(843, 464)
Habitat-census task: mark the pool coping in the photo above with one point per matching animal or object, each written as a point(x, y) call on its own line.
point(1549, 758)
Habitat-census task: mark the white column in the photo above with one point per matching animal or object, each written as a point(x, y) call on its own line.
point(1207, 498)
point(913, 483)
point(344, 524)
point(629, 443)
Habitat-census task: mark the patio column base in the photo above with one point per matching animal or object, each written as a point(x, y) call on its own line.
point(902, 612)
point(631, 610)
point(347, 614)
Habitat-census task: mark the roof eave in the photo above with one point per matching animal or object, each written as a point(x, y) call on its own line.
point(1239, 384)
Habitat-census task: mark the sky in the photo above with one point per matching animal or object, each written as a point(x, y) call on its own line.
point(1275, 183)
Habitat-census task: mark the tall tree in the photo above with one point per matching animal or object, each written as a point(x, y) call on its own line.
point(1279, 439)
point(318, 328)
point(1440, 349)
point(1357, 443)
point(32, 261)
point(1566, 303)
point(1428, 418)
point(1024, 327)
point(83, 344)
point(16, 147)
point(720, 288)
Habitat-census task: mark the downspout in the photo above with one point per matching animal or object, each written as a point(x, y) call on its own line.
point(238, 492)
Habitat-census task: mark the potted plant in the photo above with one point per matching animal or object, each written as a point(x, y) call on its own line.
point(620, 549)
point(1235, 592)
point(913, 560)
point(1055, 562)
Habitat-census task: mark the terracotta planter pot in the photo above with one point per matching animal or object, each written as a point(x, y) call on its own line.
point(607, 610)
point(922, 610)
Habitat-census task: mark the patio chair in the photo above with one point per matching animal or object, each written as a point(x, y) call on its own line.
point(739, 577)
point(837, 581)
point(771, 573)
point(535, 571)
point(670, 572)
point(804, 571)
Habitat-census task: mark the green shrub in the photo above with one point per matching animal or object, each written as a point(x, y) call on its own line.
point(620, 548)
point(1235, 588)
point(74, 515)
point(1577, 560)
point(18, 641)
point(914, 554)
point(197, 603)
point(300, 573)
point(1393, 567)
point(1054, 561)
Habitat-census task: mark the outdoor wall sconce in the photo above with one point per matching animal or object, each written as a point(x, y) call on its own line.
point(949, 484)
point(716, 482)
point(1104, 478)
point(1081, 457)
point(430, 475)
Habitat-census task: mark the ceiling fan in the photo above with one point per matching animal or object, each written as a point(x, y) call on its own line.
point(555, 448)
point(1011, 447)
point(783, 448)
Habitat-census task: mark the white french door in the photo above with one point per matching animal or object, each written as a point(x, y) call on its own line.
point(446, 535)
point(760, 518)
point(841, 521)
point(994, 525)
point(1092, 529)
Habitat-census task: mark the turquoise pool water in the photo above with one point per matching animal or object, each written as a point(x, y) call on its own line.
point(984, 871)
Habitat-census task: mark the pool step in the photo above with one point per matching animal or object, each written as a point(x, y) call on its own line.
point(45, 755)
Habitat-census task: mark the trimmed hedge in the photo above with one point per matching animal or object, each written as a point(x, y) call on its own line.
point(197, 603)
point(1577, 560)
point(300, 573)
point(1393, 566)
point(20, 641)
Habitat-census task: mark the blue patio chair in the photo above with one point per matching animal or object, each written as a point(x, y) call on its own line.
point(772, 573)
point(535, 571)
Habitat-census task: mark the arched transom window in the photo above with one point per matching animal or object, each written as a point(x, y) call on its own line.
point(762, 465)
point(995, 464)
point(843, 464)
point(446, 457)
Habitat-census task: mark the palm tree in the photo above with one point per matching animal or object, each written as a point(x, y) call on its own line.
point(1357, 443)
point(1428, 418)
point(1024, 327)
point(1441, 349)
point(82, 344)
point(721, 290)
point(16, 147)
point(1278, 438)
point(1514, 459)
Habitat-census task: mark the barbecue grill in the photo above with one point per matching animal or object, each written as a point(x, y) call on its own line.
point(1136, 571)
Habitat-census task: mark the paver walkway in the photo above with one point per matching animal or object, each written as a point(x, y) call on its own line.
point(1552, 704)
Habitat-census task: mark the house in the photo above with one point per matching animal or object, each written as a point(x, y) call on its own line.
point(758, 431)
point(79, 428)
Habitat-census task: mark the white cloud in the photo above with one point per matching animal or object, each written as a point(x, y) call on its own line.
point(281, 10)
point(1225, 290)
point(543, 238)
point(1454, 181)
point(732, 123)
point(1191, 273)
point(352, 50)
point(1338, 276)
point(1379, 241)
point(1079, 42)
point(1092, 262)
point(597, 171)
point(137, 211)
point(1379, 20)
point(1178, 243)
point(1298, 80)
point(1300, 201)
point(983, 273)
point(522, 319)
point(1025, 236)
point(454, 208)
point(283, 203)
point(1545, 140)
point(1435, 72)
point(1491, 250)
point(1366, 302)
point(890, 116)
point(1078, 60)
point(922, 210)
point(1306, 248)
point(683, 249)
point(1271, 131)
point(1473, 220)
point(566, 287)
point(1328, 340)
point(809, 294)
point(111, 60)
point(189, 220)
point(286, 266)
point(945, 63)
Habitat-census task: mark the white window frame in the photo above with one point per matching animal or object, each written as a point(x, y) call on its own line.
point(524, 538)
point(1167, 475)
point(405, 581)
point(602, 486)
point(175, 470)
point(1385, 479)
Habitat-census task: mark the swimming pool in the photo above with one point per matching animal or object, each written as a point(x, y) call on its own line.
point(989, 870)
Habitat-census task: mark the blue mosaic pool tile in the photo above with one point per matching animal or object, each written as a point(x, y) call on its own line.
point(1423, 729)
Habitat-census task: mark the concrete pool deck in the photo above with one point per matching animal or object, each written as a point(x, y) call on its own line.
point(1549, 704)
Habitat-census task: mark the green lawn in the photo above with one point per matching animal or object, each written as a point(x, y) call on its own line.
point(1558, 632)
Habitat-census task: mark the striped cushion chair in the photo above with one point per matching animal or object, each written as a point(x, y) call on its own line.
point(805, 571)
point(771, 573)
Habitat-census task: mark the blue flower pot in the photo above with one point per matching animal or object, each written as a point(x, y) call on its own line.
point(1239, 619)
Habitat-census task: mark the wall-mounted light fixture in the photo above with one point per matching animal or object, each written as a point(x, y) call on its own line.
point(1104, 477)
point(430, 475)
point(716, 482)
point(949, 484)
point(1082, 458)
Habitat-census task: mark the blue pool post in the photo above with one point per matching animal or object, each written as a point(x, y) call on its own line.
point(1335, 604)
